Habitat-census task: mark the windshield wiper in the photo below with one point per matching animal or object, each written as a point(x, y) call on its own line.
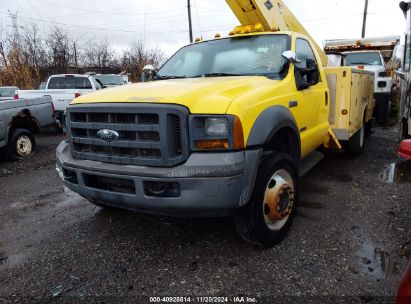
point(168, 77)
point(215, 75)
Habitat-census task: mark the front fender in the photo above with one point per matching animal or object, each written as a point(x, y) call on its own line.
point(269, 122)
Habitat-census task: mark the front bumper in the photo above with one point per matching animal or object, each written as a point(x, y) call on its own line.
point(209, 184)
point(382, 97)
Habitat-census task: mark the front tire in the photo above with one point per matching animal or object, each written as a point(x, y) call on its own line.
point(383, 109)
point(267, 218)
point(21, 144)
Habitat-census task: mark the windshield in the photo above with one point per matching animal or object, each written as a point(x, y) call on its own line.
point(7, 92)
point(110, 79)
point(249, 55)
point(363, 59)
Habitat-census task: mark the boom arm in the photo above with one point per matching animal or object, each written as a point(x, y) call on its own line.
point(273, 15)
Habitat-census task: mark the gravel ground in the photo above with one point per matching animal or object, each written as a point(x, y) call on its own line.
point(349, 244)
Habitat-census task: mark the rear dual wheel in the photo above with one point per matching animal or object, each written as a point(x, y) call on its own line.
point(267, 218)
point(356, 142)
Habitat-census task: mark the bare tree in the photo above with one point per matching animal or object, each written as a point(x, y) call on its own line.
point(33, 46)
point(58, 48)
point(25, 54)
point(134, 59)
point(98, 54)
point(3, 54)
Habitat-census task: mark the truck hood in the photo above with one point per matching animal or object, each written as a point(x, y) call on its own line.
point(199, 95)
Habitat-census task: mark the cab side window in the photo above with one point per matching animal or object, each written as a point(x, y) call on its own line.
point(306, 71)
point(304, 51)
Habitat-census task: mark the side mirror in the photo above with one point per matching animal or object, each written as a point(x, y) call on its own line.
point(313, 75)
point(401, 74)
point(405, 149)
point(101, 84)
point(148, 73)
point(290, 56)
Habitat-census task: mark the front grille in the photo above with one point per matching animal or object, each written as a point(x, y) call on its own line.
point(149, 135)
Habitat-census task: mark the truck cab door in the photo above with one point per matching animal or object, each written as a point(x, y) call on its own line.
point(312, 97)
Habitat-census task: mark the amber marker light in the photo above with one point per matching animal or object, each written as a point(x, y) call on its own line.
point(238, 134)
point(213, 144)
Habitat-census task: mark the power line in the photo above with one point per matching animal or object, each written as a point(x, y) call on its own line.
point(98, 28)
point(96, 11)
point(198, 18)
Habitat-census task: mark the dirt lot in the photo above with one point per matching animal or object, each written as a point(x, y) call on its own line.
point(349, 244)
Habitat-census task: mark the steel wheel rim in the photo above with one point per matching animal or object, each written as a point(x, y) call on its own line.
point(282, 180)
point(24, 146)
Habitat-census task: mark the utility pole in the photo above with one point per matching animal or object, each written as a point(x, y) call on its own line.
point(145, 23)
point(190, 27)
point(75, 54)
point(364, 23)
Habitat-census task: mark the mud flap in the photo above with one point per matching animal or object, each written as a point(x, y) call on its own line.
point(332, 142)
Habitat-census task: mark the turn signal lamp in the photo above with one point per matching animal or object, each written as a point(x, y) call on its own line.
point(238, 134)
point(216, 144)
point(198, 39)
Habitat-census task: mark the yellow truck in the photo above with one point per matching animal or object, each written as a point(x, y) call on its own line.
point(225, 128)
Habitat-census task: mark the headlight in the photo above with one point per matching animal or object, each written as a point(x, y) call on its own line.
point(216, 126)
point(219, 132)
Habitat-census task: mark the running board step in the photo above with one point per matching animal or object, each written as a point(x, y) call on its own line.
point(310, 162)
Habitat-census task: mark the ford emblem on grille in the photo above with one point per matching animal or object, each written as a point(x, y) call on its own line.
point(108, 135)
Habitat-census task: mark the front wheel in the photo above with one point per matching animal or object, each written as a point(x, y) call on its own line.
point(383, 109)
point(267, 218)
point(22, 144)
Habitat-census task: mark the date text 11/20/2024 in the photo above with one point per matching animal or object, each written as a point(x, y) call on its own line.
point(236, 299)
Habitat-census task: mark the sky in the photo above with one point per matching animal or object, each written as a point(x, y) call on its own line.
point(164, 24)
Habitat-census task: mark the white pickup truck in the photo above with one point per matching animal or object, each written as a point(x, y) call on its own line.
point(63, 89)
point(371, 54)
